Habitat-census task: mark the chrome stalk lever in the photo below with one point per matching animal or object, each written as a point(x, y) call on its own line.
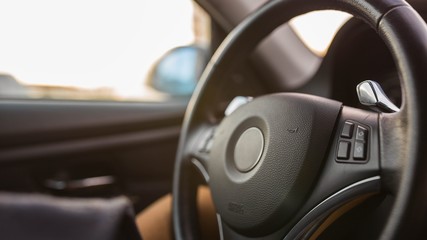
point(371, 94)
point(236, 103)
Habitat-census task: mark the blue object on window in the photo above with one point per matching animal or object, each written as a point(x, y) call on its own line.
point(178, 71)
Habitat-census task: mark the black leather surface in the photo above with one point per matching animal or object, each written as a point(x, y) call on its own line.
point(404, 135)
point(38, 217)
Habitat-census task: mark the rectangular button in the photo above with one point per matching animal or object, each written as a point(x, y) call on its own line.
point(344, 150)
point(361, 133)
point(359, 150)
point(347, 130)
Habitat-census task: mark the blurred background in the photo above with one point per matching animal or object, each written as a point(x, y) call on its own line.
point(116, 50)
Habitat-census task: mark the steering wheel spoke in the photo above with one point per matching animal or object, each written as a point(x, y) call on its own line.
point(313, 218)
point(198, 149)
point(354, 152)
point(228, 233)
point(349, 176)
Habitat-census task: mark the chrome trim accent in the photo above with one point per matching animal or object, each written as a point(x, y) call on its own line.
point(201, 169)
point(236, 103)
point(333, 202)
point(371, 94)
point(221, 231)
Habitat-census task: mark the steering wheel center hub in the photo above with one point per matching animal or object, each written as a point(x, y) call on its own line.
point(248, 149)
point(271, 156)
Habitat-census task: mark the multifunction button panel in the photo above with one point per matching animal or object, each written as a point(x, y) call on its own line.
point(353, 143)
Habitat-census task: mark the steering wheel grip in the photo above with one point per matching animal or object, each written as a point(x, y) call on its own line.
point(401, 135)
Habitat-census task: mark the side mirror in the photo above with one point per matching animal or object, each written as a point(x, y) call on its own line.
point(178, 71)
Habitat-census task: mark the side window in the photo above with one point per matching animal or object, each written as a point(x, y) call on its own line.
point(101, 50)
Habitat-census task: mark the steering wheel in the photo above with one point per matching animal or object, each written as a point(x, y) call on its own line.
point(283, 165)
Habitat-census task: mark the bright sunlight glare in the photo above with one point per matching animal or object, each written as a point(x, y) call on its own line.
point(317, 29)
point(90, 43)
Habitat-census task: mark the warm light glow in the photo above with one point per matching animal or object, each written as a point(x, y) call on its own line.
point(317, 29)
point(110, 44)
point(90, 43)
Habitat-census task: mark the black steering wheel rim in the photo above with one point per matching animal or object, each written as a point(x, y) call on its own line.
point(404, 32)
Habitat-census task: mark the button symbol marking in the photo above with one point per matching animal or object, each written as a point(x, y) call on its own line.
point(295, 130)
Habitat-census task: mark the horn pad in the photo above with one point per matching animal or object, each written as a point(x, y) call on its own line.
point(266, 156)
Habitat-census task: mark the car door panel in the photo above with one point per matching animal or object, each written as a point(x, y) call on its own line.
point(103, 148)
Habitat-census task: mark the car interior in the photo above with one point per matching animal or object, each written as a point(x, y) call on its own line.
point(289, 143)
